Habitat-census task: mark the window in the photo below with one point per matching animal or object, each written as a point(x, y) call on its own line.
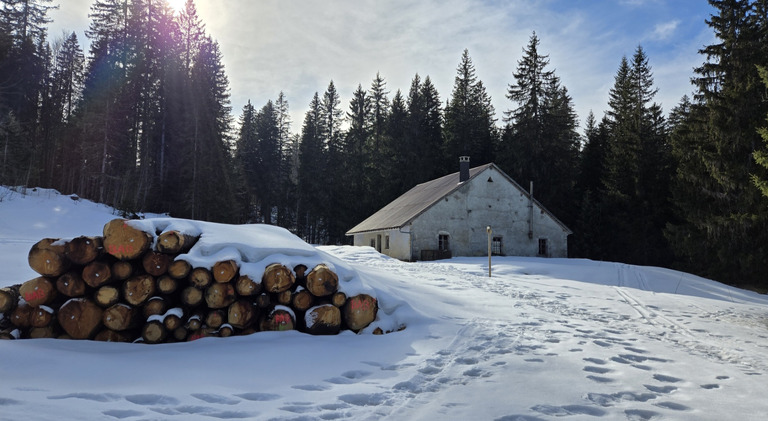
point(442, 242)
point(386, 242)
point(373, 242)
point(378, 243)
point(543, 247)
point(496, 246)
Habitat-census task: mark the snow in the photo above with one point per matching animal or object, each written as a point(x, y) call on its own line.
point(541, 339)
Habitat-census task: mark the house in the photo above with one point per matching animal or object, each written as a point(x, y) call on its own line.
point(450, 216)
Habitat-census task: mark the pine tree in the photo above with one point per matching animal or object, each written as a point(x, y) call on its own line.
point(540, 141)
point(312, 164)
point(761, 156)
point(724, 233)
point(469, 119)
point(638, 168)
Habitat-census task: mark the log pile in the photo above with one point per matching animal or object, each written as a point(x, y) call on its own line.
point(128, 286)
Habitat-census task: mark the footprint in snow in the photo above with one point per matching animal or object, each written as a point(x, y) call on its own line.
point(122, 413)
point(310, 388)
point(150, 399)
point(211, 398)
point(260, 397)
point(660, 389)
point(666, 379)
point(96, 397)
point(641, 415)
point(8, 401)
point(598, 370)
point(673, 406)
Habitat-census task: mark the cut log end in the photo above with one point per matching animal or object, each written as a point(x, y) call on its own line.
point(48, 257)
point(277, 278)
point(360, 311)
point(123, 241)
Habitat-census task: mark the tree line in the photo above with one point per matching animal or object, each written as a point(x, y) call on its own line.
point(144, 123)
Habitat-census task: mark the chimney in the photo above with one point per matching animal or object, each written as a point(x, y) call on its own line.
point(463, 169)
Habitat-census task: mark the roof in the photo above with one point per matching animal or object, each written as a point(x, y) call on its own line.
point(414, 202)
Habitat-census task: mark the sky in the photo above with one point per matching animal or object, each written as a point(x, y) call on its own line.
point(299, 46)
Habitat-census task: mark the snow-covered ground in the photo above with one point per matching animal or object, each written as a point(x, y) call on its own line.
point(541, 339)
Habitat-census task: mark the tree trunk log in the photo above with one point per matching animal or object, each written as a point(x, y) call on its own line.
point(215, 318)
point(339, 299)
point(154, 306)
point(39, 291)
point(302, 300)
point(194, 322)
point(180, 333)
point(120, 317)
point(284, 297)
point(322, 282)
point(224, 271)
point(41, 316)
point(154, 332)
point(122, 270)
point(49, 331)
point(360, 311)
point(191, 297)
point(9, 298)
point(277, 278)
point(156, 264)
point(226, 331)
point(167, 285)
point(83, 250)
point(10, 333)
point(138, 289)
point(48, 257)
point(247, 287)
point(174, 242)
point(97, 274)
point(173, 319)
point(125, 242)
point(107, 296)
point(22, 315)
point(220, 295)
point(324, 319)
point(80, 318)
point(280, 318)
point(241, 314)
point(263, 301)
point(179, 269)
point(200, 278)
point(107, 335)
point(71, 284)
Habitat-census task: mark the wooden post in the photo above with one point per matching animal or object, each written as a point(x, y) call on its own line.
point(489, 231)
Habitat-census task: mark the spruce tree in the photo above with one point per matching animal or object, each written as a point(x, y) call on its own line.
point(638, 168)
point(469, 119)
point(540, 142)
point(723, 228)
point(313, 158)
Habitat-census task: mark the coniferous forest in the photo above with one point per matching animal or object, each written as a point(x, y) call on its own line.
point(142, 121)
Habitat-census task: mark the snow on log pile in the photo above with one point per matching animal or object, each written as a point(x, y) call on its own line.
point(170, 280)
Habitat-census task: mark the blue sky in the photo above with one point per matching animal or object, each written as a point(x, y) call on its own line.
point(298, 46)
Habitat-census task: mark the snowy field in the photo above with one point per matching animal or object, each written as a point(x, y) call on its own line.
point(541, 339)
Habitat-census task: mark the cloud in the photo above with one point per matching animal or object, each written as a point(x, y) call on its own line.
point(664, 30)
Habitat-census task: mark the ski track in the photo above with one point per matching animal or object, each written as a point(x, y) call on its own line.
point(542, 324)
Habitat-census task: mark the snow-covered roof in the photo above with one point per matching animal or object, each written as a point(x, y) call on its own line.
point(414, 202)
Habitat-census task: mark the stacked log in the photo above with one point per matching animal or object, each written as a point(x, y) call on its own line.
point(117, 287)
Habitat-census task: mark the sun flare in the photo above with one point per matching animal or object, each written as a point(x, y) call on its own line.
point(177, 5)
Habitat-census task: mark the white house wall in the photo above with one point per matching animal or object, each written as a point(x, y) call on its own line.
point(399, 242)
point(467, 212)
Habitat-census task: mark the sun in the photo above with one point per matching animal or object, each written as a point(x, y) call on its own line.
point(177, 5)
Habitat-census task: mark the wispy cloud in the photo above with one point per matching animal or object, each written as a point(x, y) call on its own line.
point(665, 30)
